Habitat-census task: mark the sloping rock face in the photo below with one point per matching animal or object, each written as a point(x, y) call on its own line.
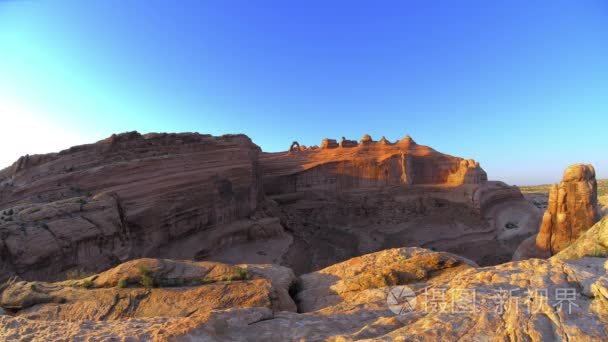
point(96, 205)
point(198, 197)
point(361, 299)
point(182, 296)
point(592, 243)
point(572, 209)
point(353, 199)
point(173, 288)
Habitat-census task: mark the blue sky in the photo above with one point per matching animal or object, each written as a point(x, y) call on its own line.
point(521, 86)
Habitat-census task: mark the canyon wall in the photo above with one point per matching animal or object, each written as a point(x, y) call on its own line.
point(349, 165)
point(349, 198)
point(95, 205)
point(198, 197)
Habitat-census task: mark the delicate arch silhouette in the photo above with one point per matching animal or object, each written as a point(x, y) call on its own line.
point(295, 146)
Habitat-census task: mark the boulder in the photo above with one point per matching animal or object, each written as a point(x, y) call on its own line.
point(366, 139)
point(328, 143)
point(348, 143)
point(152, 288)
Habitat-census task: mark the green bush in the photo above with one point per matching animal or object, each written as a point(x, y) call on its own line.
point(122, 283)
point(207, 281)
point(238, 273)
point(241, 274)
point(87, 283)
point(146, 277)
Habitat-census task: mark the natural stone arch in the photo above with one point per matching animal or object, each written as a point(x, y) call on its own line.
point(295, 146)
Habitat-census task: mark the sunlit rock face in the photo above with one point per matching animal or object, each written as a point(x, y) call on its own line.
point(349, 165)
point(352, 198)
point(572, 209)
point(449, 298)
point(199, 197)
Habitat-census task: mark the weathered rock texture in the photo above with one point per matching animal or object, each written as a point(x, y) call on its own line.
point(571, 210)
point(354, 199)
point(175, 289)
point(455, 301)
point(367, 164)
point(198, 197)
point(96, 205)
point(592, 243)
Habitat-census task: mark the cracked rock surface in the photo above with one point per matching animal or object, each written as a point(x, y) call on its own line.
point(547, 300)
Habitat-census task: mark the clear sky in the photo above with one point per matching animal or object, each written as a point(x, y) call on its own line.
point(521, 86)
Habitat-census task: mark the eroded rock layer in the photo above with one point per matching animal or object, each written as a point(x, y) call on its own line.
point(350, 166)
point(341, 201)
point(198, 197)
point(95, 205)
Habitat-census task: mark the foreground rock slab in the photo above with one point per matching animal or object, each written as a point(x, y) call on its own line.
point(531, 300)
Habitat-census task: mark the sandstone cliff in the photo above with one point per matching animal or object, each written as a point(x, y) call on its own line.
point(343, 200)
point(96, 205)
point(198, 197)
point(571, 210)
point(368, 164)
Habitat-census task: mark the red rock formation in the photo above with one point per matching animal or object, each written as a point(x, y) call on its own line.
point(572, 209)
point(160, 187)
point(366, 139)
point(192, 196)
point(328, 143)
point(347, 143)
point(343, 202)
point(369, 164)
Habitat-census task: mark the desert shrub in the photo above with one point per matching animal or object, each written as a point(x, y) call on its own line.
point(87, 283)
point(146, 277)
point(207, 281)
point(241, 273)
point(238, 273)
point(511, 225)
point(122, 283)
